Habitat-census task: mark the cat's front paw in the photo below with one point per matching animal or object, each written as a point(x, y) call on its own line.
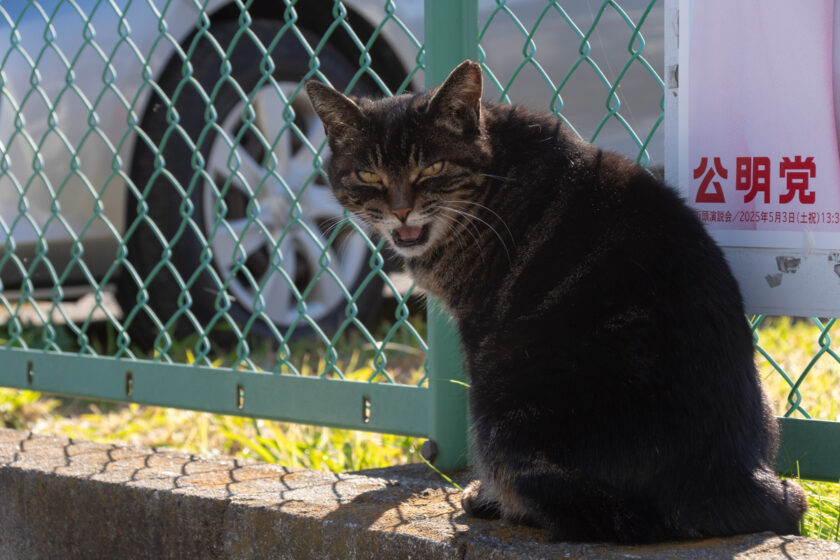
point(477, 502)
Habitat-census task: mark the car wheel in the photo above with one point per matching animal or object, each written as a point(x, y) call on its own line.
point(234, 221)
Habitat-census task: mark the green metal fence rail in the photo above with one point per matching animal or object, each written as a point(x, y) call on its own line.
point(165, 149)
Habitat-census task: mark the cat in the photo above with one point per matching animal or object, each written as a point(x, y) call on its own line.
point(613, 391)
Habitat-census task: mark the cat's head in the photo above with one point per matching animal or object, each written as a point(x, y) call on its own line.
point(407, 165)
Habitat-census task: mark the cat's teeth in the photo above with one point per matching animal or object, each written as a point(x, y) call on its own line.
point(409, 233)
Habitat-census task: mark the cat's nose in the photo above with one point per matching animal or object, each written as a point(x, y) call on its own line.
point(401, 214)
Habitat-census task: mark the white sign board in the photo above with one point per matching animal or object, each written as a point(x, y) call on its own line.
point(752, 142)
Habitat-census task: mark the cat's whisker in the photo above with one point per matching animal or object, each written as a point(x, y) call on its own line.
point(468, 223)
point(450, 222)
point(470, 228)
point(337, 222)
point(456, 235)
point(512, 238)
point(473, 216)
point(337, 225)
point(497, 177)
point(348, 216)
point(332, 223)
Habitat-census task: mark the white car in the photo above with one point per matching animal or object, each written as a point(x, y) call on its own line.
point(131, 155)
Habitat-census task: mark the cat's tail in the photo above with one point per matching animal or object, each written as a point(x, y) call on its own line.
point(754, 503)
point(763, 503)
point(787, 507)
point(760, 503)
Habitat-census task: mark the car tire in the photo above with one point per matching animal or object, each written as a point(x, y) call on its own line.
point(262, 225)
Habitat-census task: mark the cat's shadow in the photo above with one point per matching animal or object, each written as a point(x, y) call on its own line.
point(398, 505)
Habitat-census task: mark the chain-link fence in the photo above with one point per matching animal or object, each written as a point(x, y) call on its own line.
point(160, 159)
point(163, 155)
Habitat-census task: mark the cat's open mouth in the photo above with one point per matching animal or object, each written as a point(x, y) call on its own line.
point(409, 236)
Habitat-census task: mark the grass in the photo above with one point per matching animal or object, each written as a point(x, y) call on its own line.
point(822, 520)
point(292, 445)
point(790, 343)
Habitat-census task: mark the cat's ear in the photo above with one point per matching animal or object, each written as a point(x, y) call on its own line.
point(340, 115)
point(457, 102)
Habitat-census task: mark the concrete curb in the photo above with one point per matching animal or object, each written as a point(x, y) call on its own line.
point(76, 499)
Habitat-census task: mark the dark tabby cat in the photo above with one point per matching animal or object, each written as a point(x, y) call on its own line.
point(613, 391)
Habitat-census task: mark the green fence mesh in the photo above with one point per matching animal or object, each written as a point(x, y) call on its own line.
point(178, 160)
point(164, 210)
point(605, 85)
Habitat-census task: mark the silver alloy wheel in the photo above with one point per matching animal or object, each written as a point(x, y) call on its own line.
point(265, 247)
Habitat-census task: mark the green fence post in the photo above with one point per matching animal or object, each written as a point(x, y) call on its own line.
point(451, 32)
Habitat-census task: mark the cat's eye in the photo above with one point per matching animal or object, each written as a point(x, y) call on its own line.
point(368, 177)
point(433, 169)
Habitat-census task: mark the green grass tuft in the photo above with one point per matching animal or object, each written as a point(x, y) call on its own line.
point(822, 520)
